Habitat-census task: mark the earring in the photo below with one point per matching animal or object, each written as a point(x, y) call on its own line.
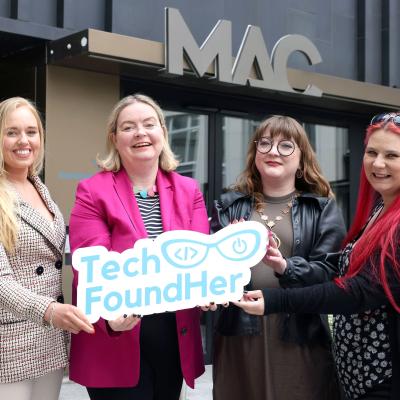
point(299, 173)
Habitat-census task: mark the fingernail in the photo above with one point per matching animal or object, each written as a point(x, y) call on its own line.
point(125, 315)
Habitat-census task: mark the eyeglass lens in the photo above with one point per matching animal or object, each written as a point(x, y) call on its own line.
point(284, 147)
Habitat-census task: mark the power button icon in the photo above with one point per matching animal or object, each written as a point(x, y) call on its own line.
point(239, 246)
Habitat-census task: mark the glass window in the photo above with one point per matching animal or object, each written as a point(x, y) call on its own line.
point(331, 144)
point(237, 133)
point(188, 140)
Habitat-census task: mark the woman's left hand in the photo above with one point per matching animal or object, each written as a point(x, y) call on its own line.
point(209, 307)
point(252, 302)
point(273, 257)
point(124, 323)
point(213, 307)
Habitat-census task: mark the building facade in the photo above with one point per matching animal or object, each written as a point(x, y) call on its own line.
point(217, 67)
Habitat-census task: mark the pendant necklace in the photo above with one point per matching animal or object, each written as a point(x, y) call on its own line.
point(144, 193)
point(270, 223)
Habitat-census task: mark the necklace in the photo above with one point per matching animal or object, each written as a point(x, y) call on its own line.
point(270, 223)
point(144, 193)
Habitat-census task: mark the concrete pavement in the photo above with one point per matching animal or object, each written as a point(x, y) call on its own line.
point(203, 391)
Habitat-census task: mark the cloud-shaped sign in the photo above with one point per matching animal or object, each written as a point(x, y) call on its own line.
point(177, 270)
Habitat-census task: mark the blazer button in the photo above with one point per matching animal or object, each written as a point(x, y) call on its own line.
point(60, 299)
point(58, 264)
point(184, 331)
point(39, 270)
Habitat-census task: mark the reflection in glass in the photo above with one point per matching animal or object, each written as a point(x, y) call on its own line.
point(237, 133)
point(188, 140)
point(331, 144)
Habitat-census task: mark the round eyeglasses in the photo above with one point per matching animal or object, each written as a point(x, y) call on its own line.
point(386, 117)
point(285, 147)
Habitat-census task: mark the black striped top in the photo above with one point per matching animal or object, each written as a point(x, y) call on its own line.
point(151, 214)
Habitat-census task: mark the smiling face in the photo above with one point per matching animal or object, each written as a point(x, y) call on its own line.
point(382, 164)
point(139, 136)
point(21, 141)
point(277, 170)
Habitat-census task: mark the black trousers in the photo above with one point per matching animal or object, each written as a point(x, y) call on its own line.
point(160, 367)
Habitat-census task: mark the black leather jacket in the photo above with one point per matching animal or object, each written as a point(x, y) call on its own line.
point(318, 230)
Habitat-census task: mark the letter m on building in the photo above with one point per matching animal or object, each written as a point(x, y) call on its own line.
point(180, 45)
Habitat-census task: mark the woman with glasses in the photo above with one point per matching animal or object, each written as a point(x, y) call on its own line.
point(285, 356)
point(137, 195)
point(366, 298)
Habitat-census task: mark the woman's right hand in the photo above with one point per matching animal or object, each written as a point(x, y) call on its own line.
point(68, 318)
point(273, 257)
point(124, 323)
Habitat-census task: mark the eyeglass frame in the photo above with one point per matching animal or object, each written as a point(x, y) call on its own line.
point(393, 117)
point(277, 146)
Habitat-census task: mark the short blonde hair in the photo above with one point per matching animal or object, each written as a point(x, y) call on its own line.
point(112, 161)
point(8, 220)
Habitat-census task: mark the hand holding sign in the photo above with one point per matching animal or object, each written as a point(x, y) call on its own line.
point(178, 270)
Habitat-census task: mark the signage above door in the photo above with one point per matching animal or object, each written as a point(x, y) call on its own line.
point(271, 72)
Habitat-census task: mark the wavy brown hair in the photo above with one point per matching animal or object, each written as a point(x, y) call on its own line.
point(249, 181)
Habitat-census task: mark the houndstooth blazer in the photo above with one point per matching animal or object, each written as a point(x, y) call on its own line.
point(30, 279)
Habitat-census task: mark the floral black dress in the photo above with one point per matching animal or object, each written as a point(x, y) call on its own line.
point(361, 341)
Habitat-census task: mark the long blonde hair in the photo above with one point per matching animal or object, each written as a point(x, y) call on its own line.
point(311, 180)
point(112, 161)
point(8, 219)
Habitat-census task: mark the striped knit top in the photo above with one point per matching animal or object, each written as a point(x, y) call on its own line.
point(151, 214)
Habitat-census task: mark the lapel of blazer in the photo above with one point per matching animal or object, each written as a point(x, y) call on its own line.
point(166, 193)
point(123, 189)
point(56, 235)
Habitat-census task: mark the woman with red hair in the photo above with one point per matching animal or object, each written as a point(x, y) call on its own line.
point(366, 298)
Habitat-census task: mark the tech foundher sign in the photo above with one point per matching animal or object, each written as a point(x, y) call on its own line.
point(178, 270)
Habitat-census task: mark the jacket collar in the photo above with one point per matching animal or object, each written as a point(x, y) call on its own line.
point(166, 192)
point(228, 198)
point(55, 235)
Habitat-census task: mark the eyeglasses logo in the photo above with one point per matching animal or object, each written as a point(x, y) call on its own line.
point(178, 270)
point(186, 253)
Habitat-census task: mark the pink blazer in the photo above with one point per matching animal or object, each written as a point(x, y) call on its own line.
point(106, 214)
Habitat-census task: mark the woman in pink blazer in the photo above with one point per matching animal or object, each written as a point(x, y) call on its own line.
point(137, 195)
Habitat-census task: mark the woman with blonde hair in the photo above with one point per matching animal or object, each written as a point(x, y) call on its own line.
point(285, 356)
point(33, 320)
point(137, 195)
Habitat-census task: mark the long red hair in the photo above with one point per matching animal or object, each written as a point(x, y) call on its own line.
point(380, 242)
